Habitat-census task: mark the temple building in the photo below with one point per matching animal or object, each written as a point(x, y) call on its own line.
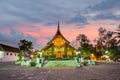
point(58, 47)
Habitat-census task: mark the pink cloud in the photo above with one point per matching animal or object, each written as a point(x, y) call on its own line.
point(70, 31)
point(90, 30)
point(6, 30)
point(73, 32)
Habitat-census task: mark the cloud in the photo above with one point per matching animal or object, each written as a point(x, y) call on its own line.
point(14, 36)
point(39, 11)
point(106, 5)
point(107, 16)
point(105, 10)
point(27, 12)
point(78, 19)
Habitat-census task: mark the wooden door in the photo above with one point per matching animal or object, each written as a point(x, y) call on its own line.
point(59, 55)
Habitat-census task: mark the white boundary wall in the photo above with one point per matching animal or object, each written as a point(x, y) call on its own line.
point(9, 56)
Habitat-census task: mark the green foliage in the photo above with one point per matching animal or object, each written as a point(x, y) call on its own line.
point(113, 52)
point(96, 63)
point(79, 55)
point(110, 42)
point(85, 52)
point(98, 54)
point(38, 55)
point(21, 56)
point(85, 63)
point(33, 63)
point(87, 58)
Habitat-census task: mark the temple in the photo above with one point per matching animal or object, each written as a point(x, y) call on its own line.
point(59, 47)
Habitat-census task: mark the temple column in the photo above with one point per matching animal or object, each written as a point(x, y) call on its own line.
point(52, 51)
point(65, 50)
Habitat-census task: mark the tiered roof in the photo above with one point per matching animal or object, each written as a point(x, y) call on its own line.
point(58, 33)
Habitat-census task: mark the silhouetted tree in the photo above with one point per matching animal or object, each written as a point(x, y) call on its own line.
point(116, 56)
point(118, 34)
point(84, 45)
point(25, 45)
point(106, 39)
point(82, 39)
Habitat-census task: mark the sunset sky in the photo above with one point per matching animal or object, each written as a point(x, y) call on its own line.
point(36, 20)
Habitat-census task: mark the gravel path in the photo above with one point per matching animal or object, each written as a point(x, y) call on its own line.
point(102, 71)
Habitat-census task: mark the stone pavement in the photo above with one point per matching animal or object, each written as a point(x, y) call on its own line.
point(102, 71)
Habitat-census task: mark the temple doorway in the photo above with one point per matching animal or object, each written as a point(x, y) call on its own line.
point(59, 55)
point(59, 52)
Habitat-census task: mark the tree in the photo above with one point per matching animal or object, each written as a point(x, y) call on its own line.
point(105, 37)
point(118, 31)
point(83, 44)
point(25, 45)
point(117, 50)
point(109, 42)
point(82, 39)
point(118, 34)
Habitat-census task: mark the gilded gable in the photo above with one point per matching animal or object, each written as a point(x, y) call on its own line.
point(58, 41)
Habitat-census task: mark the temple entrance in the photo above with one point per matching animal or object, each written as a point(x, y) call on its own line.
point(59, 52)
point(59, 55)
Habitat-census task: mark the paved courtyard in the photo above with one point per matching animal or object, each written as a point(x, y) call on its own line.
point(102, 71)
